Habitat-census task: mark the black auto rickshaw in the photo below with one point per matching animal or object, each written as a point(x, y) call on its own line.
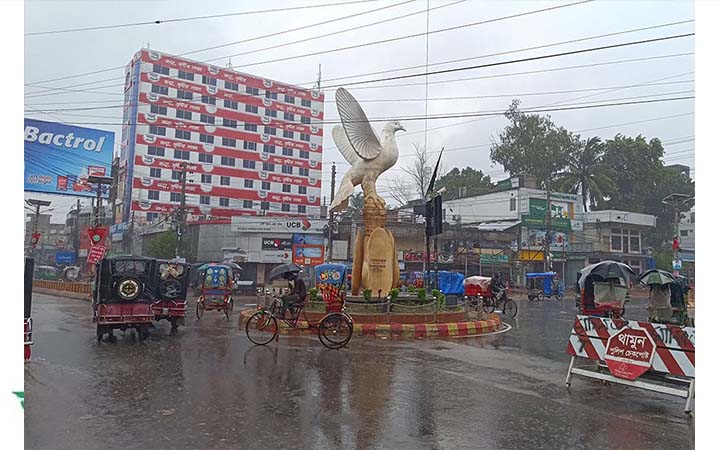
point(170, 286)
point(123, 294)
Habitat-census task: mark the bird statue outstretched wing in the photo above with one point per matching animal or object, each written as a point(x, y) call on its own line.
point(360, 135)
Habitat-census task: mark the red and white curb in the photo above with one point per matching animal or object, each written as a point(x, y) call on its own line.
point(418, 330)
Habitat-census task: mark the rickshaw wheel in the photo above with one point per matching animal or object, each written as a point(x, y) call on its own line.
point(335, 330)
point(199, 310)
point(510, 308)
point(261, 328)
point(488, 305)
point(558, 297)
point(228, 309)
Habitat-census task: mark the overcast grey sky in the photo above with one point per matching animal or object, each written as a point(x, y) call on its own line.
point(59, 55)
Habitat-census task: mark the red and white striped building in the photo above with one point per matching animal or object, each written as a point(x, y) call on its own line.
point(254, 146)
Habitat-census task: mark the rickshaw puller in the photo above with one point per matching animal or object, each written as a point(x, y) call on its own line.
point(297, 293)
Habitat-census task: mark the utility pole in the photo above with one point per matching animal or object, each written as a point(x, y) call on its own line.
point(331, 215)
point(76, 243)
point(548, 227)
point(181, 215)
point(34, 234)
point(100, 181)
point(675, 200)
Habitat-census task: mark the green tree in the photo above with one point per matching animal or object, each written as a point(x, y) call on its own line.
point(532, 145)
point(467, 182)
point(586, 173)
point(162, 245)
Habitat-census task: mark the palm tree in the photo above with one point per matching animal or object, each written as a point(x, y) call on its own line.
point(586, 173)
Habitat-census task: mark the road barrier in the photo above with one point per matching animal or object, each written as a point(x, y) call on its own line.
point(645, 355)
point(78, 288)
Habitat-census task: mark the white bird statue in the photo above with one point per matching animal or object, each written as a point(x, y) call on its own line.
point(368, 154)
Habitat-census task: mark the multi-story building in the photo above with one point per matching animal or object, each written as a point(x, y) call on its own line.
point(686, 227)
point(250, 146)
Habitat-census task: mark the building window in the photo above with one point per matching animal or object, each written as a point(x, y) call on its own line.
point(152, 216)
point(180, 134)
point(227, 161)
point(305, 103)
point(162, 90)
point(247, 204)
point(206, 178)
point(162, 70)
point(207, 100)
point(302, 189)
point(208, 80)
point(270, 130)
point(248, 164)
point(224, 181)
point(251, 109)
point(231, 85)
point(249, 145)
point(207, 119)
point(227, 142)
point(286, 188)
point(182, 154)
point(285, 207)
point(176, 174)
point(268, 167)
point(250, 127)
point(175, 197)
point(251, 90)
point(616, 243)
point(513, 203)
point(289, 116)
point(153, 195)
point(683, 233)
point(305, 137)
point(155, 173)
point(264, 206)
point(156, 151)
point(304, 119)
point(287, 169)
point(288, 134)
point(155, 109)
point(304, 154)
point(249, 184)
point(634, 244)
point(186, 75)
point(304, 172)
point(289, 99)
point(184, 95)
point(231, 104)
point(269, 148)
point(265, 185)
point(271, 95)
point(301, 209)
point(204, 199)
point(224, 202)
point(206, 138)
point(160, 131)
point(205, 158)
point(229, 123)
point(187, 115)
point(287, 151)
point(270, 112)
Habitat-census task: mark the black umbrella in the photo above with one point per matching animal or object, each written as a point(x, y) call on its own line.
point(282, 269)
point(657, 276)
point(607, 270)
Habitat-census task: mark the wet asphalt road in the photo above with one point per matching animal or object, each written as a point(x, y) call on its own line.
point(208, 388)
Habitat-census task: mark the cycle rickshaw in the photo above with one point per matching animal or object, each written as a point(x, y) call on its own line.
point(479, 292)
point(544, 285)
point(216, 284)
point(604, 289)
point(667, 298)
point(334, 329)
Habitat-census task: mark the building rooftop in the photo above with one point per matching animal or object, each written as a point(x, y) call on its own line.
point(620, 217)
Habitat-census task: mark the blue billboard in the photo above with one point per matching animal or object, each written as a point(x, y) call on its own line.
point(65, 258)
point(60, 158)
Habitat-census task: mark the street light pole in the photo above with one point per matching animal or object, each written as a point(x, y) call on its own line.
point(37, 204)
point(675, 200)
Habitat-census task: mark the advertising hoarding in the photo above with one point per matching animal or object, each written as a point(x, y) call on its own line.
point(59, 158)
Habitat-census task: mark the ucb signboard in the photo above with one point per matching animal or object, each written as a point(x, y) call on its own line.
point(276, 244)
point(276, 225)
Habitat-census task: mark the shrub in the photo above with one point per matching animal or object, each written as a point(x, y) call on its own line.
point(394, 292)
point(421, 294)
point(440, 297)
point(314, 297)
point(367, 294)
point(411, 288)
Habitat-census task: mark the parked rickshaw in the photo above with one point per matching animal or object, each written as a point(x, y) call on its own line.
point(170, 285)
point(476, 288)
point(604, 289)
point(216, 285)
point(544, 285)
point(667, 297)
point(123, 294)
point(29, 269)
point(334, 329)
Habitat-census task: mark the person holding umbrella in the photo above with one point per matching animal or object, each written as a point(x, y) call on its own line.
point(298, 290)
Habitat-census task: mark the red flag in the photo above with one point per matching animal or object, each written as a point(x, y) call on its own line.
point(34, 239)
point(676, 243)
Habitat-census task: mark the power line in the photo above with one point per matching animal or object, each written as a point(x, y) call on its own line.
point(185, 19)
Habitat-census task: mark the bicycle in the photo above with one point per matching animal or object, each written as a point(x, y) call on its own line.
point(334, 329)
point(500, 301)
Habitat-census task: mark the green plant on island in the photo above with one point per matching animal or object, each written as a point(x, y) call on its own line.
point(314, 297)
point(394, 293)
point(421, 294)
point(367, 294)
